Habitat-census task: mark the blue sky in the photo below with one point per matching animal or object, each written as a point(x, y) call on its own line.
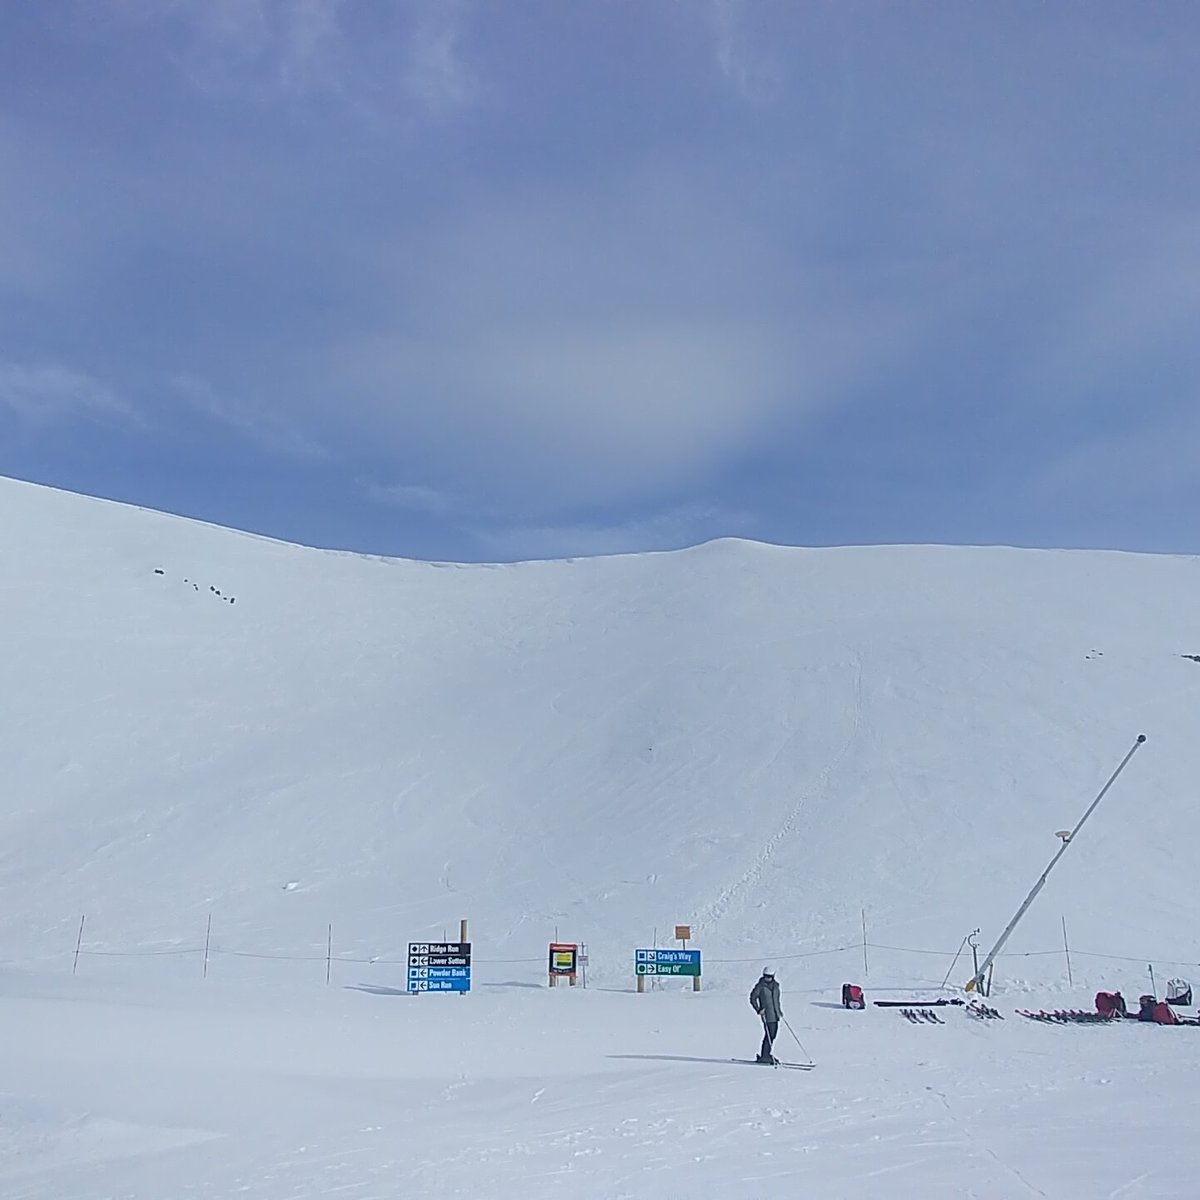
point(471, 281)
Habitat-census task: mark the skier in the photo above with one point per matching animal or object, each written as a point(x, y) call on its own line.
point(764, 999)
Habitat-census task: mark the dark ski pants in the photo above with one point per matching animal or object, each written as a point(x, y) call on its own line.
point(770, 1030)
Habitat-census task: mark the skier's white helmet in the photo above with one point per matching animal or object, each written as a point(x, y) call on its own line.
point(769, 971)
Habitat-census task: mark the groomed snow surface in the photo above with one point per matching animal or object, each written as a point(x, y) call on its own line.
point(317, 749)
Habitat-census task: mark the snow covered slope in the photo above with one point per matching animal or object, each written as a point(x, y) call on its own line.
point(759, 740)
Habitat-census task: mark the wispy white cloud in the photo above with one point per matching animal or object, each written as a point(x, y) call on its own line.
point(744, 59)
point(369, 56)
point(413, 497)
point(312, 52)
point(293, 45)
point(435, 73)
point(243, 27)
point(50, 392)
point(268, 427)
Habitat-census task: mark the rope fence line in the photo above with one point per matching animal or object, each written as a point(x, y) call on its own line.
point(83, 951)
point(788, 957)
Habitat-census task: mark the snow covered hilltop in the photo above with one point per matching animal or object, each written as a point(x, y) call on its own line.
point(326, 751)
point(760, 740)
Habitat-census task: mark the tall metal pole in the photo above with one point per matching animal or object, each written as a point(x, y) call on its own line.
point(976, 983)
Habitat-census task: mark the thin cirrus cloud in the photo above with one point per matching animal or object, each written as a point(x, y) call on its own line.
point(267, 425)
point(365, 58)
point(47, 393)
point(411, 497)
point(435, 71)
point(295, 45)
point(743, 58)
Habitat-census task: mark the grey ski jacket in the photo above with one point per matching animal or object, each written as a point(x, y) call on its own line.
point(764, 999)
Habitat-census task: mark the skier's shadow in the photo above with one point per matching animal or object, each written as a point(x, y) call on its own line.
point(721, 1062)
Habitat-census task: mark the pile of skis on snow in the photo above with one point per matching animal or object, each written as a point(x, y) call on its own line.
point(1110, 1006)
point(1067, 1016)
point(921, 1012)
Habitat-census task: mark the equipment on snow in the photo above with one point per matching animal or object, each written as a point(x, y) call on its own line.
point(1110, 1004)
point(787, 1066)
point(942, 1003)
point(1150, 1008)
point(978, 1009)
point(852, 996)
point(922, 1016)
point(1155, 1013)
point(1179, 993)
point(798, 1042)
point(1066, 1016)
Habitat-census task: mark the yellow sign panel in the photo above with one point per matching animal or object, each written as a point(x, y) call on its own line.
point(683, 933)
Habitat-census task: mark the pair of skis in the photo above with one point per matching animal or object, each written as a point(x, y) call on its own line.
point(983, 1012)
point(1067, 1016)
point(921, 1016)
point(787, 1066)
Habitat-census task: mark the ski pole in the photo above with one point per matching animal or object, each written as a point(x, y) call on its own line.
point(950, 969)
point(798, 1041)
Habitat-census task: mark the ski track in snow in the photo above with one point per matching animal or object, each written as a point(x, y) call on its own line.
point(712, 914)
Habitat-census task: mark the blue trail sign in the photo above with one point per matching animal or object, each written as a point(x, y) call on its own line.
point(667, 962)
point(439, 966)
